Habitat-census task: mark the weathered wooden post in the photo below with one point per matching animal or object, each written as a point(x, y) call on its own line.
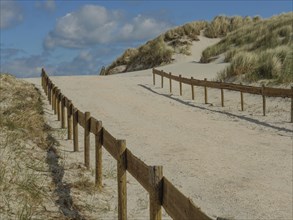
point(121, 179)
point(46, 85)
point(55, 100)
point(87, 139)
point(69, 120)
point(62, 111)
point(180, 84)
point(52, 93)
point(162, 80)
point(170, 82)
point(156, 176)
point(241, 98)
point(263, 100)
point(75, 129)
point(291, 104)
point(205, 92)
point(192, 89)
point(49, 92)
point(42, 78)
point(53, 97)
point(58, 105)
point(98, 145)
point(154, 77)
point(222, 95)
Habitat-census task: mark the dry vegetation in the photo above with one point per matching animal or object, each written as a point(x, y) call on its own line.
point(158, 51)
point(33, 181)
point(257, 50)
point(25, 180)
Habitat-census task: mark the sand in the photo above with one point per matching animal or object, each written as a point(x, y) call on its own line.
point(231, 163)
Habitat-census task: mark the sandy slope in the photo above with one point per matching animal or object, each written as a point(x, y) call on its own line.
point(232, 164)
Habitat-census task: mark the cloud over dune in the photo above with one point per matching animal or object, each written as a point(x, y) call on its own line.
point(11, 14)
point(92, 25)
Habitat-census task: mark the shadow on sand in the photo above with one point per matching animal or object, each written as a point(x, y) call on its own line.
point(251, 120)
point(62, 190)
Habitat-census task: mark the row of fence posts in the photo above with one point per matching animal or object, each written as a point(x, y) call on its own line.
point(57, 100)
point(222, 93)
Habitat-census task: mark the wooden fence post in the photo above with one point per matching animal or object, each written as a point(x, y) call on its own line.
point(241, 98)
point(52, 93)
point(156, 192)
point(55, 100)
point(162, 81)
point(42, 79)
point(75, 129)
point(121, 179)
point(46, 85)
point(87, 139)
point(291, 104)
point(53, 97)
point(154, 77)
point(69, 120)
point(49, 92)
point(62, 111)
point(98, 145)
point(180, 85)
point(222, 96)
point(192, 89)
point(205, 92)
point(58, 105)
point(170, 82)
point(263, 100)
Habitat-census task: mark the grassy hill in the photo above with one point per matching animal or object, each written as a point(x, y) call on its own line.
point(158, 51)
point(256, 48)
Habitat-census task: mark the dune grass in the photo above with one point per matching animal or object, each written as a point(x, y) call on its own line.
point(24, 176)
point(158, 51)
point(259, 50)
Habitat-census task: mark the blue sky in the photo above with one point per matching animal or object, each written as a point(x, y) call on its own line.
point(79, 37)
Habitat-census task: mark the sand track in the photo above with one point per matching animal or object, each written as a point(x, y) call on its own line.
point(231, 163)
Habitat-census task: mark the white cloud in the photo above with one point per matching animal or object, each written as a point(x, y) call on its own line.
point(141, 28)
point(10, 14)
point(85, 63)
point(48, 5)
point(92, 25)
point(24, 66)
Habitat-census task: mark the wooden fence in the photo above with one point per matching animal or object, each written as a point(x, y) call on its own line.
point(263, 91)
point(161, 191)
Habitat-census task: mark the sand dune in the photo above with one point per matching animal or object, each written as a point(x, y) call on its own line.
point(232, 164)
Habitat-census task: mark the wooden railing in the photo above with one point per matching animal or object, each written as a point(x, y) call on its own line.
point(263, 91)
point(161, 191)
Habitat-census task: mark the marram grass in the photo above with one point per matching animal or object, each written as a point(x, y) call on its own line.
point(259, 50)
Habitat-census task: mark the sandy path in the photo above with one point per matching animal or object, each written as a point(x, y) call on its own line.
point(232, 164)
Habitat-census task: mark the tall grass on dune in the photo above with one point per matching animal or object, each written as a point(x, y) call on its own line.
point(272, 64)
point(158, 51)
point(265, 44)
point(222, 25)
point(154, 53)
